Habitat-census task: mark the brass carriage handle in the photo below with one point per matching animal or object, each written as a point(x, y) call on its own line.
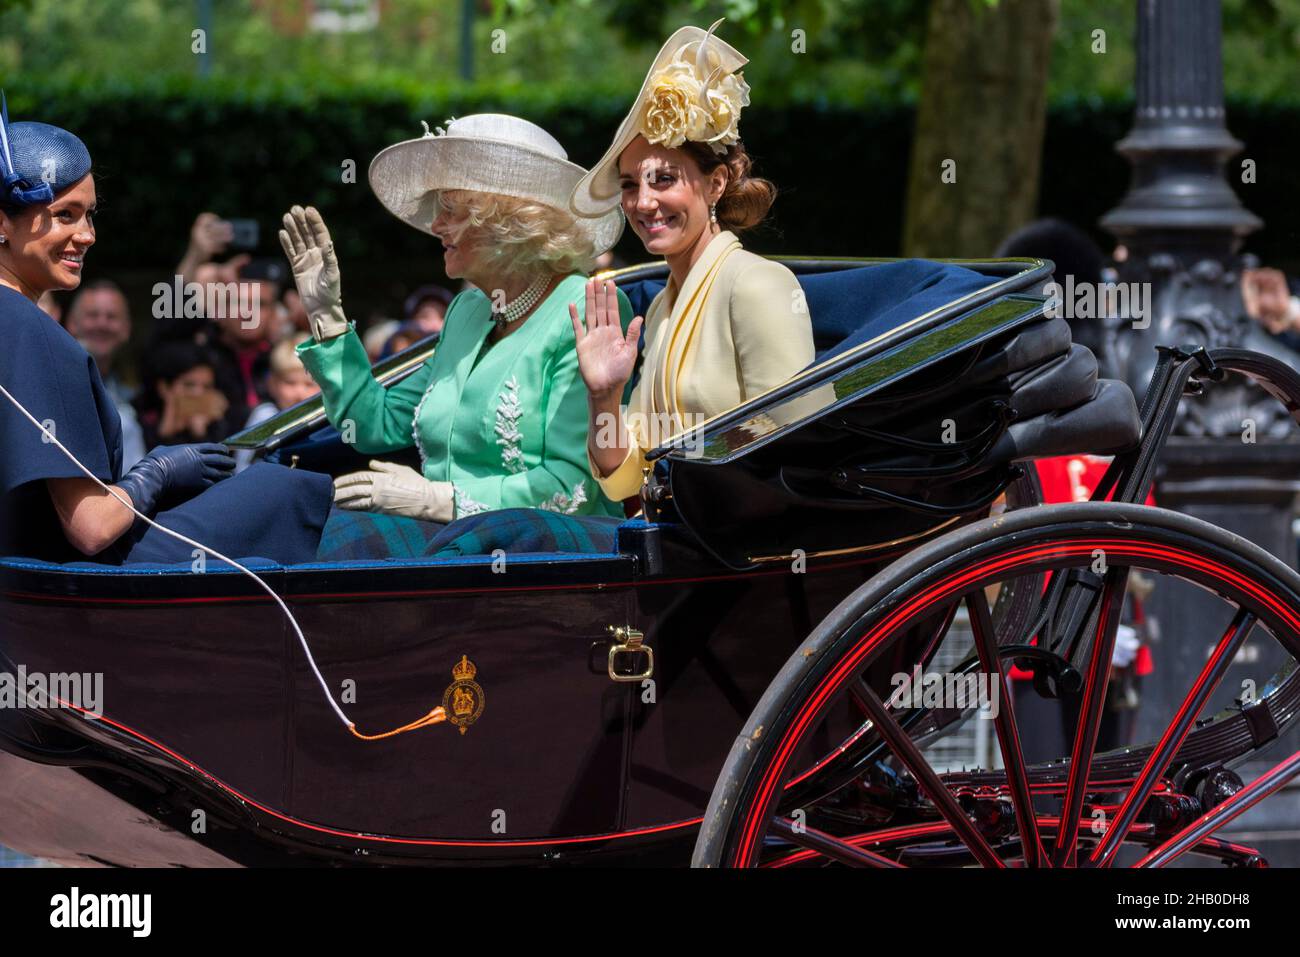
point(628, 640)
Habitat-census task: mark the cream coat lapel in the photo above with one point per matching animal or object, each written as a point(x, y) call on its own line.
point(674, 343)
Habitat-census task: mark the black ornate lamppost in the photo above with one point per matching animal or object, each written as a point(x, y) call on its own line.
point(1234, 459)
point(1181, 222)
point(1183, 226)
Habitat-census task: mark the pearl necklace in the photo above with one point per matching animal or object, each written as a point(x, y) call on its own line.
point(518, 307)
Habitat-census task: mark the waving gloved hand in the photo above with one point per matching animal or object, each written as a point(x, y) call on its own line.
point(395, 490)
point(1127, 644)
point(184, 470)
point(307, 243)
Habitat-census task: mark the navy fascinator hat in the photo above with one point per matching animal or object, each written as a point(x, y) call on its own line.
point(37, 161)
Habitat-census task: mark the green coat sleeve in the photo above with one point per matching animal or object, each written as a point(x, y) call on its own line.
point(562, 483)
point(381, 419)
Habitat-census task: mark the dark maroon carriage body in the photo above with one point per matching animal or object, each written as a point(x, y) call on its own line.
point(206, 686)
point(209, 703)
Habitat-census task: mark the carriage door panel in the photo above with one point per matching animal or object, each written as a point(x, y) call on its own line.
point(534, 741)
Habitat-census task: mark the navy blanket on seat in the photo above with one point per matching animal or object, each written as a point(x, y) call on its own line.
point(266, 511)
point(852, 306)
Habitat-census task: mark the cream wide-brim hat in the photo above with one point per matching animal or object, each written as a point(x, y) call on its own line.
point(486, 153)
point(599, 189)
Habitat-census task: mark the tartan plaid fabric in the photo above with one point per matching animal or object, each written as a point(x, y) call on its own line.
point(520, 530)
point(351, 535)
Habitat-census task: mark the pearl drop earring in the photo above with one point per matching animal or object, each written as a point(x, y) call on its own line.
point(713, 214)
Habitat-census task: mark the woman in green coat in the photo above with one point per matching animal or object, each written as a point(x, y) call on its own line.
point(499, 412)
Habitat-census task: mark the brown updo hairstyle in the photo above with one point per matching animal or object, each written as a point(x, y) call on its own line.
point(746, 199)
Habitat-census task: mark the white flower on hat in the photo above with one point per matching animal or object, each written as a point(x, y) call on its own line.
point(692, 91)
point(725, 102)
point(684, 102)
point(673, 110)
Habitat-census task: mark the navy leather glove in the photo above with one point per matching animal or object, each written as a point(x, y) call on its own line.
point(176, 470)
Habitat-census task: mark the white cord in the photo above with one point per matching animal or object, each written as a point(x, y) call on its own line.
point(311, 660)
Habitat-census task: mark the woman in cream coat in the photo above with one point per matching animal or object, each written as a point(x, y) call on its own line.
point(729, 325)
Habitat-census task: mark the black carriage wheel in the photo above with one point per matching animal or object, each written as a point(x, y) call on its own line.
point(750, 819)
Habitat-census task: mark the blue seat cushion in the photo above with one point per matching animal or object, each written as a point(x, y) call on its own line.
point(852, 306)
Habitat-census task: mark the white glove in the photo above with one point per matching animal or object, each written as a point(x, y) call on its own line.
point(1127, 644)
point(307, 243)
point(395, 490)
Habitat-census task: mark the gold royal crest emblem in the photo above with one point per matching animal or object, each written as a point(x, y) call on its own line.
point(463, 700)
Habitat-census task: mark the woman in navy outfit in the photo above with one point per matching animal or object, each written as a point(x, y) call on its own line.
point(49, 509)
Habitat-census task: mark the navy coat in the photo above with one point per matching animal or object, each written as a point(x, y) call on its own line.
point(267, 511)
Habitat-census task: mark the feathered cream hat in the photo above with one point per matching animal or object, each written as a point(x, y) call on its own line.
point(692, 92)
point(487, 153)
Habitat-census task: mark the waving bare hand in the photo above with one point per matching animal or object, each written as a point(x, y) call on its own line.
point(606, 355)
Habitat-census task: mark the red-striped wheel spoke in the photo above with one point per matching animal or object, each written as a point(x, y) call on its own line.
point(1206, 682)
point(915, 762)
point(966, 816)
point(1187, 839)
point(855, 694)
point(890, 836)
point(828, 846)
point(1094, 697)
point(1013, 759)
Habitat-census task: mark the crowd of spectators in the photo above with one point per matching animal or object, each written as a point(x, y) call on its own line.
point(204, 374)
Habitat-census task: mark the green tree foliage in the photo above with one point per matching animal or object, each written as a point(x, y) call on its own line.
point(872, 48)
point(856, 50)
point(264, 43)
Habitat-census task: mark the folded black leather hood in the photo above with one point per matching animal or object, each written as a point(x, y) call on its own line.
point(925, 431)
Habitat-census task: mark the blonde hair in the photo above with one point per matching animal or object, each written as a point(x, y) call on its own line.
point(524, 235)
point(283, 358)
